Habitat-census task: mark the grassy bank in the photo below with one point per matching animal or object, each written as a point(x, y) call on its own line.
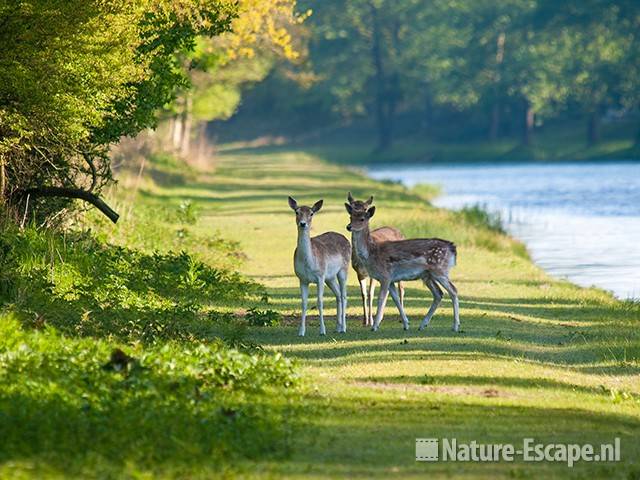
point(537, 357)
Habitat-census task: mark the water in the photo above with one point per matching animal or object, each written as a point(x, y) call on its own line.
point(580, 221)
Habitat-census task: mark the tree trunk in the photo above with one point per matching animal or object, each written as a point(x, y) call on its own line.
point(185, 142)
point(202, 144)
point(3, 180)
point(177, 132)
point(529, 118)
point(593, 129)
point(172, 127)
point(494, 126)
point(384, 132)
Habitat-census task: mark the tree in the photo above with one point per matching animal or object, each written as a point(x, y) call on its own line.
point(264, 32)
point(355, 47)
point(75, 76)
point(482, 65)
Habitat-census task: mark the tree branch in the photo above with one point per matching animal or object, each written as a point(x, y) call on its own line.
point(94, 173)
point(73, 193)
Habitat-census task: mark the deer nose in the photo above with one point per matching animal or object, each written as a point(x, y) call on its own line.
point(349, 227)
point(303, 224)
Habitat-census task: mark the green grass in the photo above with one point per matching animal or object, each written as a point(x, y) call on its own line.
point(537, 357)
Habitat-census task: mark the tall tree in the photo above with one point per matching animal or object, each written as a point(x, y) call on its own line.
point(264, 32)
point(75, 76)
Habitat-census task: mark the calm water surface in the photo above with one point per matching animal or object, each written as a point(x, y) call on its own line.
point(580, 221)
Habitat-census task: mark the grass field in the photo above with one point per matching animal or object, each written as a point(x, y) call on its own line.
point(537, 357)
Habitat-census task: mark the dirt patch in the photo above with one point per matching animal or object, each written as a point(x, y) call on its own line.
point(446, 389)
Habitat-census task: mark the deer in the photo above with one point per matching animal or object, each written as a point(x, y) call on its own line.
point(322, 259)
point(427, 259)
point(379, 235)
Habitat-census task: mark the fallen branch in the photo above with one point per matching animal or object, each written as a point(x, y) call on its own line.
point(73, 193)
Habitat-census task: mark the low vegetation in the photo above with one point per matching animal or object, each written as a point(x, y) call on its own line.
point(137, 351)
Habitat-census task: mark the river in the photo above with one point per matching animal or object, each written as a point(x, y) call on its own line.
point(579, 220)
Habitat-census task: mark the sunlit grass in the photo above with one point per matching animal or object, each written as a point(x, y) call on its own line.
point(538, 357)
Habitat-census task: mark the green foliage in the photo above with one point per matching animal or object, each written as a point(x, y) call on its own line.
point(171, 408)
point(426, 190)
point(187, 212)
point(189, 393)
point(473, 227)
point(460, 69)
point(263, 318)
point(75, 76)
point(479, 216)
point(86, 288)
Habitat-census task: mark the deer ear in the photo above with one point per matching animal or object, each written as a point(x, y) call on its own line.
point(348, 207)
point(370, 201)
point(293, 204)
point(371, 211)
point(317, 206)
point(350, 198)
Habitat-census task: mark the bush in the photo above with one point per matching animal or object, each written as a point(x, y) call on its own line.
point(263, 318)
point(176, 407)
point(86, 288)
point(166, 385)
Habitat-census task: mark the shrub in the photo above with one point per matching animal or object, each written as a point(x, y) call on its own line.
point(83, 287)
point(263, 318)
point(176, 407)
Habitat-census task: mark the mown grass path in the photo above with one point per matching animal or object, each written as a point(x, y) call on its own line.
point(537, 357)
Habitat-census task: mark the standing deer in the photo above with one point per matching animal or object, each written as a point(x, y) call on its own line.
point(322, 259)
point(428, 259)
point(379, 235)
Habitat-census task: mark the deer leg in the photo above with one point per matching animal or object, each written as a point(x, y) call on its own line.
point(342, 280)
point(372, 291)
point(323, 330)
point(400, 288)
point(437, 298)
point(365, 302)
point(304, 293)
point(382, 300)
point(335, 288)
point(453, 293)
point(396, 298)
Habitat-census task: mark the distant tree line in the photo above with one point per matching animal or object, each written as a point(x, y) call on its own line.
point(504, 65)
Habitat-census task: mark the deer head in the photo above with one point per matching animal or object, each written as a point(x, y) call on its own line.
point(304, 214)
point(358, 204)
point(359, 219)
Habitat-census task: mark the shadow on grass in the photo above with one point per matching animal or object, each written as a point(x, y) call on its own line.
point(584, 336)
point(372, 435)
point(428, 380)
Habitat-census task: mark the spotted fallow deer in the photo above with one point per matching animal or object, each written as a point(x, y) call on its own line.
point(322, 259)
point(427, 259)
point(379, 235)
